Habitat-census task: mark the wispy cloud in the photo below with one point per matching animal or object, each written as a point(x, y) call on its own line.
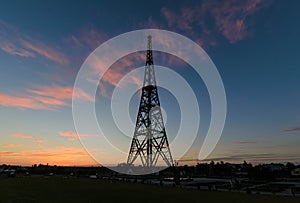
point(23, 136)
point(72, 135)
point(6, 153)
point(85, 40)
point(20, 102)
point(289, 130)
point(44, 97)
point(10, 48)
point(257, 158)
point(15, 42)
point(59, 92)
point(40, 141)
point(91, 37)
point(11, 145)
point(46, 51)
point(231, 18)
point(115, 72)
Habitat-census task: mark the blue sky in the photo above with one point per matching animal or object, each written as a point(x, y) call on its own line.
point(254, 44)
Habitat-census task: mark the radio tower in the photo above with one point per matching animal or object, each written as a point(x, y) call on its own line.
point(149, 142)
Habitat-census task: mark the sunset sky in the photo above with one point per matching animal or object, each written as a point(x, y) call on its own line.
point(253, 43)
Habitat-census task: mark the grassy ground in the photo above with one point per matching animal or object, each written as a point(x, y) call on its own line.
point(59, 189)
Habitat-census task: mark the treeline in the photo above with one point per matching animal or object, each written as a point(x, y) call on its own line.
point(41, 169)
point(247, 170)
point(212, 169)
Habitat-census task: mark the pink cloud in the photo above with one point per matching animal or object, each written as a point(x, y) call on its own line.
point(183, 21)
point(91, 37)
point(20, 102)
point(23, 136)
point(13, 50)
point(114, 73)
point(103, 90)
point(170, 16)
point(18, 43)
point(44, 97)
point(60, 92)
point(46, 51)
point(71, 136)
point(19, 135)
point(11, 145)
point(99, 66)
point(40, 141)
point(76, 41)
point(87, 39)
point(120, 68)
point(231, 19)
point(80, 94)
point(55, 91)
point(112, 77)
point(49, 101)
point(30, 102)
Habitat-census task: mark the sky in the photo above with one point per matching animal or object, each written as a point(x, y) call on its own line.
point(253, 43)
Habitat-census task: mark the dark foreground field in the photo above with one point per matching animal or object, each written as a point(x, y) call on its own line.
point(60, 189)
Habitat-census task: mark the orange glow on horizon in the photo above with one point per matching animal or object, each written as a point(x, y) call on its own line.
point(58, 156)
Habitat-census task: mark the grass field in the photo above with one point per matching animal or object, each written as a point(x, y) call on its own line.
point(59, 189)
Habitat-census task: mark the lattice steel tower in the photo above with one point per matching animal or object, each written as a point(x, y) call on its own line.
point(149, 142)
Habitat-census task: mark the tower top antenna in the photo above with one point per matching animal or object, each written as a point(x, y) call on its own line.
point(149, 42)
